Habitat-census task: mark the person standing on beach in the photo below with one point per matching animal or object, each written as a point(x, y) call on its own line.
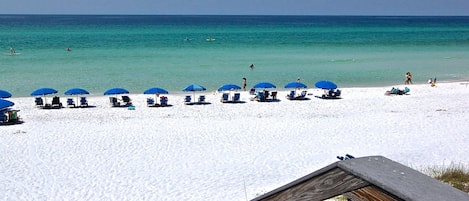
point(244, 83)
point(408, 78)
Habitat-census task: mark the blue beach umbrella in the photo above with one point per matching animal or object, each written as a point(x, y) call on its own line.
point(76, 91)
point(43, 92)
point(296, 85)
point(4, 94)
point(115, 91)
point(155, 90)
point(194, 87)
point(228, 87)
point(264, 85)
point(324, 84)
point(5, 104)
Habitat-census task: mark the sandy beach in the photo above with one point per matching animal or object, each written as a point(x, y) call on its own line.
point(222, 151)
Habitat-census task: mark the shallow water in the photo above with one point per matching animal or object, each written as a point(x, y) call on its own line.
point(171, 52)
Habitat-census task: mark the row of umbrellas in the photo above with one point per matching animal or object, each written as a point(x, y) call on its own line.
point(324, 84)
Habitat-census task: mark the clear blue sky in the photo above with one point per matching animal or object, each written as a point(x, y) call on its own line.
point(238, 7)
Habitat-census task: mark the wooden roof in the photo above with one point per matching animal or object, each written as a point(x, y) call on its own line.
point(366, 178)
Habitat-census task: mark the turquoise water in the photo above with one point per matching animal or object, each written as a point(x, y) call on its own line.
point(139, 52)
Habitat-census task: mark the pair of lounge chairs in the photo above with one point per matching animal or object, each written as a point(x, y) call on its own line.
point(71, 103)
point(163, 102)
point(56, 104)
point(292, 95)
point(263, 96)
point(126, 101)
point(226, 99)
point(200, 101)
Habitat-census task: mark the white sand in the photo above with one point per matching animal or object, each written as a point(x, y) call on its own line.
point(216, 151)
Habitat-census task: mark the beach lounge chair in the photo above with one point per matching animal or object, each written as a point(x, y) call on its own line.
point(260, 96)
point(126, 100)
point(114, 102)
point(83, 102)
point(3, 118)
point(70, 102)
point(39, 102)
point(187, 100)
point(224, 97)
point(56, 102)
point(201, 99)
point(13, 116)
point(236, 97)
point(150, 102)
point(274, 95)
point(163, 101)
point(291, 95)
point(302, 95)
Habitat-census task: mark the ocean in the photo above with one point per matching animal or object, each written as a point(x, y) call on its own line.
point(171, 52)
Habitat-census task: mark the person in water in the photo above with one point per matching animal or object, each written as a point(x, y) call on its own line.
point(12, 51)
point(251, 66)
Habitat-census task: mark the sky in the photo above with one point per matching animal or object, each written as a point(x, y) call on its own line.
point(239, 7)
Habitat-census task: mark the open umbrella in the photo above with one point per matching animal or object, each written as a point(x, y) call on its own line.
point(296, 85)
point(43, 92)
point(115, 91)
point(228, 87)
point(5, 104)
point(155, 90)
point(264, 85)
point(194, 87)
point(76, 91)
point(4, 94)
point(324, 84)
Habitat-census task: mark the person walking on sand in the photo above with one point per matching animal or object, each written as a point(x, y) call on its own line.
point(244, 83)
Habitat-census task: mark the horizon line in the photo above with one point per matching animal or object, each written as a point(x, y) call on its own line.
point(312, 15)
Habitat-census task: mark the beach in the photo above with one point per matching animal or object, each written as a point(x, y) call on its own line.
point(222, 151)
